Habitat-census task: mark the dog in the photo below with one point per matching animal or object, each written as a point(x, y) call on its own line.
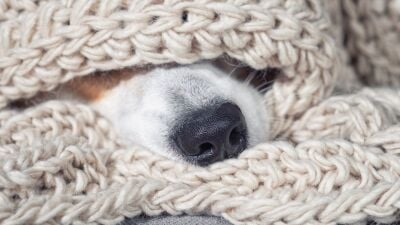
point(200, 113)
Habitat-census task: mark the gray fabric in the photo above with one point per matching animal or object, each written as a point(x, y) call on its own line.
point(191, 220)
point(176, 220)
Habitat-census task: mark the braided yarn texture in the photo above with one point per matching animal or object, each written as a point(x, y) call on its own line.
point(370, 34)
point(337, 159)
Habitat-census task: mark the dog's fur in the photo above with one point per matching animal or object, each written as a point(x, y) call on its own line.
point(144, 104)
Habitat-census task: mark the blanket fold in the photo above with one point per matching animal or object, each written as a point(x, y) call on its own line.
point(335, 158)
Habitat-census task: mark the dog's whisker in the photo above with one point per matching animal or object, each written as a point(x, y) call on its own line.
point(265, 90)
point(232, 72)
point(264, 85)
point(250, 77)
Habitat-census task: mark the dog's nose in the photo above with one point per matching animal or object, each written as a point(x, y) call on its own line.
point(211, 134)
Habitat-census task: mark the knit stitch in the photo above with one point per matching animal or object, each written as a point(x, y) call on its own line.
point(335, 159)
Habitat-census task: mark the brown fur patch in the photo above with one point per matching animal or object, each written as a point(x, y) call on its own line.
point(93, 87)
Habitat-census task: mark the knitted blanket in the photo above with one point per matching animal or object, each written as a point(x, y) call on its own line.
point(335, 158)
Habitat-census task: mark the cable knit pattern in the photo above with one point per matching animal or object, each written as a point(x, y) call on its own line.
point(61, 163)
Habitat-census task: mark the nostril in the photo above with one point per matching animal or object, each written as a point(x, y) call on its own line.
point(206, 147)
point(237, 141)
point(235, 136)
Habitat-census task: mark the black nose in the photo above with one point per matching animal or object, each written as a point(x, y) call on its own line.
point(211, 134)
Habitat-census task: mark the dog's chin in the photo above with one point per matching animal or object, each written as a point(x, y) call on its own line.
point(145, 108)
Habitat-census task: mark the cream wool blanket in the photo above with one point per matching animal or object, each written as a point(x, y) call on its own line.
point(336, 158)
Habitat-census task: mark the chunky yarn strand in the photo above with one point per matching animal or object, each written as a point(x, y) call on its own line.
point(336, 158)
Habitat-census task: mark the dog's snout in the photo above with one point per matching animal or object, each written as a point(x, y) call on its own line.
point(211, 134)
